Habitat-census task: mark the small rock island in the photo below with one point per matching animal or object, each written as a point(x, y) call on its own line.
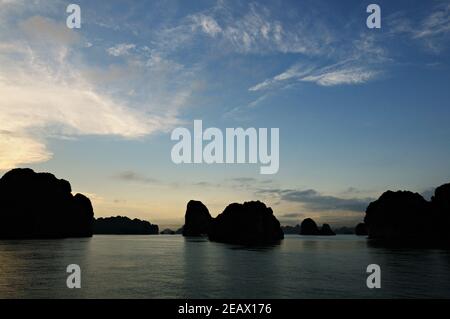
point(197, 220)
point(250, 223)
point(309, 227)
point(121, 225)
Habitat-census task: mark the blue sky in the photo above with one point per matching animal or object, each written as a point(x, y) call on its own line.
point(360, 110)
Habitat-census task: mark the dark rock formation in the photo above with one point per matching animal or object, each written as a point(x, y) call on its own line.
point(441, 199)
point(326, 230)
point(291, 229)
point(124, 226)
point(406, 217)
point(251, 223)
point(309, 227)
point(167, 231)
point(440, 206)
point(197, 220)
point(361, 230)
point(179, 231)
point(398, 215)
point(38, 205)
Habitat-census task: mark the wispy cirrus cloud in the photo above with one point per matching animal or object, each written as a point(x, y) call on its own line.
point(361, 64)
point(352, 75)
point(46, 92)
point(432, 31)
point(121, 49)
point(436, 24)
point(207, 24)
point(251, 30)
point(332, 75)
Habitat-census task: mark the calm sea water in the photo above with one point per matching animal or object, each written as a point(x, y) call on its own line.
point(167, 266)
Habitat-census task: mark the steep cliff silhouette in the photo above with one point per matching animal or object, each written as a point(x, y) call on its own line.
point(38, 205)
point(197, 220)
point(248, 223)
point(326, 230)
point(404, 216)
point(121, 225)
point(309, 227)
point(440, 206)
point(251, 223)
point(361, 230)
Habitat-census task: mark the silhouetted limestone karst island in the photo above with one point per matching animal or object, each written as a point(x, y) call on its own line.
point(120, 225)
point(39, 205)
point(248, 223)
point(406, 217)
point(440, 206)
point(326, 230)
point(309, 227)
point(197, 220)
point(251, 223)
point(361, 230)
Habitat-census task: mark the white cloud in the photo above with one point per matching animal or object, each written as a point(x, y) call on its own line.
point(121, 49)
point(263, 85)
point(39, 103)
point(29, 103)
point(258, 32)
point(17, 148)
point(45, 93)
point(251, 31)
point(207, 23)
point(359, 63)
point(256, 102)
point(432, 31)
point(437, 23)
point(337, 74)
point(297, 71)
point(157, 62)
point(353, 75)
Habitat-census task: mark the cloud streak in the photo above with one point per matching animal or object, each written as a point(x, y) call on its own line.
point(252, 29)
point(315, 201)
point(45, 93)
point(131, 176)
point(360, 66)
point(121, 49)
point(432, 31)
point(326, 76)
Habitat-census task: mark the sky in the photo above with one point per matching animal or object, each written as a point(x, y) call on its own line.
point(359, 110)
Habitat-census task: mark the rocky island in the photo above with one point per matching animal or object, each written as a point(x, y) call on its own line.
point(197, 220)
point(406, 217)
point(39, 205)
point(250, 223)
point(121, 225)
point(361, 230)
point(309, 227)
